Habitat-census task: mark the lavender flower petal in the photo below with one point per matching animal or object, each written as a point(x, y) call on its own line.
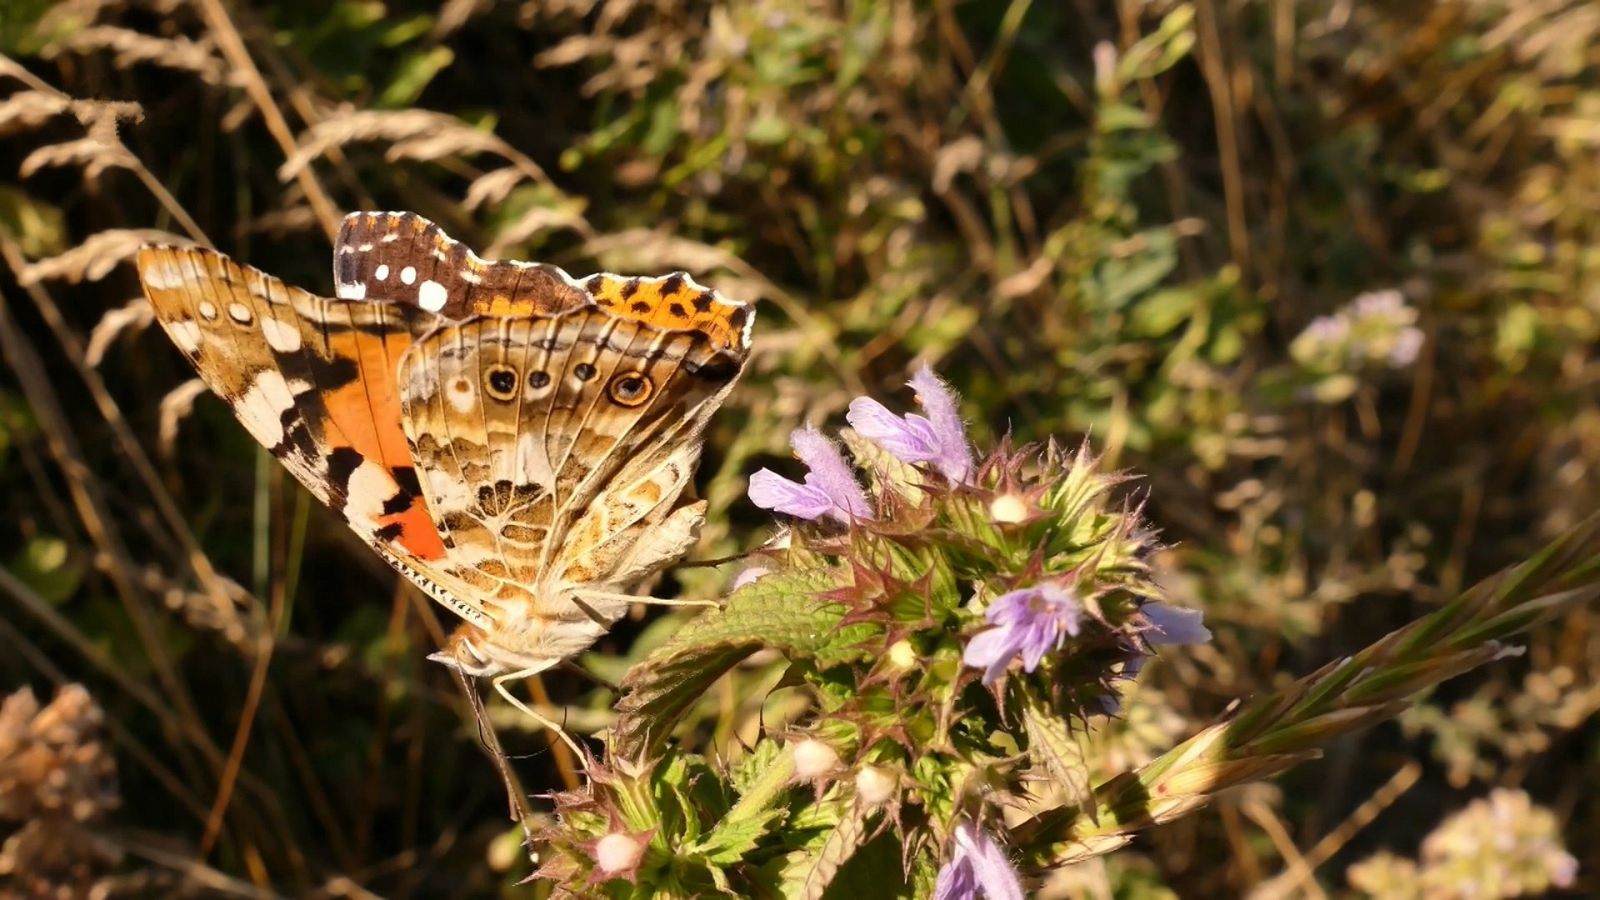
point(939, 401)
point(749, 575)
point(992, 651)
point(1172, 625)
point(829, 489)
point(939, 438)
point(956, 880)
point(978, 867)
point(909, 439)
point(769, 490)
point(830, 473)
point(1030, 621)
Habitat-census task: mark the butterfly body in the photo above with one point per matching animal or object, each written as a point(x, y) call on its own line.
point(516, 442)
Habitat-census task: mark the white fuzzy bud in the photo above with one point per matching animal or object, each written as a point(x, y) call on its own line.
point(814, 759)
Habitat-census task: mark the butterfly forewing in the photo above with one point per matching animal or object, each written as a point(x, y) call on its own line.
point(404, 258)
point(312, 379)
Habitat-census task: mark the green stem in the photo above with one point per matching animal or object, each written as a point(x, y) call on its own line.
point(767, 789)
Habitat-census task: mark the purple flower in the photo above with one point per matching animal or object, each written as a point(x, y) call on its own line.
point(940, 437)
point(829, 489)
point(1029, 621)
point(977, 867)
point(1172, 625)
point(1406, 346)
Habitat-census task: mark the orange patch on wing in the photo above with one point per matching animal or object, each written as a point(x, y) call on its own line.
point(506, 307)
point(673, 303)
point(418, 534)
point(367, 411)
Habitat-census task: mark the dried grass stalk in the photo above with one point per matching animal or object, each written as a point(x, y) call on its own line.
point(175, 407)
point(134, 316)
point(94, 259)
point(133, 47)
point(414, 134)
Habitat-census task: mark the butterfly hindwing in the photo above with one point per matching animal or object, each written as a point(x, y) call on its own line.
point(525, 425)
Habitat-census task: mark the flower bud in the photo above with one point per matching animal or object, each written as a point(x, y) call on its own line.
point(1008, 509)
point(901, 656)
point(814, 759)
point(875, 785)
point(618, 853)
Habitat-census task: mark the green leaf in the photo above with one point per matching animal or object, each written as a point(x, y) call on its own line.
point(809, 871)
point(413, 75)
point(780, 610)
point(732, 839)
point(1053, 745)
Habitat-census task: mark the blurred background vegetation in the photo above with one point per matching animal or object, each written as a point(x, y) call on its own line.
point(1147, 223)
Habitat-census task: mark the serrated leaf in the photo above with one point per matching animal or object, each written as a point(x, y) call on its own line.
point(753, 765)
point(780, 610)
point(810, 871)
point(1052, 743)
point(730, 841)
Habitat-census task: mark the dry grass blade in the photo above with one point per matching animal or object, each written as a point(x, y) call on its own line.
point(413, 134)
point(93, 154)
point(29, 110)
point(133, 316)
point(492, 188)
point(175, 407)
point(96, 257)
point(1286, 728)
point(133, 47)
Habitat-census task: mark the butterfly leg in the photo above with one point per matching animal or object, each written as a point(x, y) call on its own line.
point(499, 682)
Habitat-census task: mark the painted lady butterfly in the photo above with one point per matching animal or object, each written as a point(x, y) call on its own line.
point(513, 440)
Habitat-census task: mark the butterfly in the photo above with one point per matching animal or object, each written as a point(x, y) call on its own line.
point(517, 442)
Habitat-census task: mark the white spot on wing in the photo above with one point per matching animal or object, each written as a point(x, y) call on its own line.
point(408, 274)
point(533, 464)
point(163, 276)
point(281, 336)
point(261, 408)
point(446, 492)
point(208, 310)
point(431, 295)
point(382, 272)
point(370, 486)
point(461, 393)
point(185, 333)
point(239, 313)
point(355, 291)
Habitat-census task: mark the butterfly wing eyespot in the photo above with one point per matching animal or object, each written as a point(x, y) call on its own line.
point(630, 389)
point(500, 382)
